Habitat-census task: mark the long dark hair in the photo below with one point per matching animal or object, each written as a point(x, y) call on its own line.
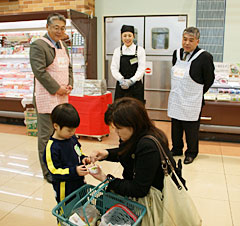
point(130, 112)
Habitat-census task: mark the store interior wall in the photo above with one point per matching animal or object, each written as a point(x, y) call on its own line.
point(232, 32)
point(22, 6)
point(159, 7)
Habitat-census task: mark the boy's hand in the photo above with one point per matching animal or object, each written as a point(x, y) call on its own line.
point(86, 161)
point(82, 170)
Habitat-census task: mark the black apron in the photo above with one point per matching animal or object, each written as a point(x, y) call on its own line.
point(128, 70)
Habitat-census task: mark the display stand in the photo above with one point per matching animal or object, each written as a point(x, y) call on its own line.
point(220, 121)
point(91, 110)
point(220, 114)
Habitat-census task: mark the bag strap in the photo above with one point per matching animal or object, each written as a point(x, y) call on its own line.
point(166, 162)
point(164, 158)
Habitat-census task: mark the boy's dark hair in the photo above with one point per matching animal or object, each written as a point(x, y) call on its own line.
point(65, 115)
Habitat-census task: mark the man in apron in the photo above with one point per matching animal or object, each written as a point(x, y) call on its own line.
point(128, 66)
point(53, 78)
point(192, 75)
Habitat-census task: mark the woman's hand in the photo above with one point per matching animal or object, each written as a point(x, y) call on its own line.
point(99, 175)
point(82, 170)
point(98, 155)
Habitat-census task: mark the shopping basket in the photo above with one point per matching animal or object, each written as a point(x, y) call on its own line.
point(97, 196)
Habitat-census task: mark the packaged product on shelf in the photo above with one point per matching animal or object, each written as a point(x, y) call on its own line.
point(18, 49)
point(235, 97)
point(31, 121)
point(210, 96)
point(234, 68)
point(223, 97)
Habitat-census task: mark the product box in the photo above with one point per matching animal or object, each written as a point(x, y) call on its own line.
point(31, 121)
point(94, 87)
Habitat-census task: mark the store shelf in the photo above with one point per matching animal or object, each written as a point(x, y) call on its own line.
point(12, 114)
point(14, 56)
point(221, 113)
point(226, 86)
point(11, 104)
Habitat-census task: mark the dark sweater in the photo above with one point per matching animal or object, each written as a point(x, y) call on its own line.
point(61, 159)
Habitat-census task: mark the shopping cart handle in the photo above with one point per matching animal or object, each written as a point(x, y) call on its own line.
point(102, 186)
point(94, 191)
point(72, 195)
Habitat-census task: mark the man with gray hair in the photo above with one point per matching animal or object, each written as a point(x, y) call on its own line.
point(192, 75)
point(53, 81)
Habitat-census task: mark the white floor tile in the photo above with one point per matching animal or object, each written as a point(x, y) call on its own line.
point(206, 185)
point(25, 216)
point(204, 163)
point(233, 184)
point(231, 165)
point(26, 199)
point(43, 198)
point(235, 207)
point(6, 208)
point(214, 212)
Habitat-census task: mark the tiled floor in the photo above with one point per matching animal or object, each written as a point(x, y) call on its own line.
point(26, 199)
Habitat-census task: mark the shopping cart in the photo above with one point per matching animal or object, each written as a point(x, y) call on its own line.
point(97, 196)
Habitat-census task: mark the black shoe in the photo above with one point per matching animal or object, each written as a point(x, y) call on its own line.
point(188, 160)
point(48, 178)
point(174, 153)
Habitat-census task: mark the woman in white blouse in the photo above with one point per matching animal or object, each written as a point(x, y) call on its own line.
point(128, 66)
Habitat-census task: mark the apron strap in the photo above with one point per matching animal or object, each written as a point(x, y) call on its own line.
point(136, 51)
point(196, 55)
point(121, 51)
point(193, 58)
point(178, 54)
point(48, 42)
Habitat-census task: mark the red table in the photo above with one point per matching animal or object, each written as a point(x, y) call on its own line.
point(91, 110)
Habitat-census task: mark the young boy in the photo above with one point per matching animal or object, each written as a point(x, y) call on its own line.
point(63, 155)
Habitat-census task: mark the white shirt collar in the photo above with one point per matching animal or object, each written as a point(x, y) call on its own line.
point(53, 42)
point(130, 48)
point(189, 54)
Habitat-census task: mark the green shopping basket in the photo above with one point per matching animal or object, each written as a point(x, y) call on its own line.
point(97, 196)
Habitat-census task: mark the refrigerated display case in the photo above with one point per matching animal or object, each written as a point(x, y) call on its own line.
point(220, 114)
point(17, 32)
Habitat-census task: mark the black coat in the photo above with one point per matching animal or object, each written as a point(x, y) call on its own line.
point(144, 160)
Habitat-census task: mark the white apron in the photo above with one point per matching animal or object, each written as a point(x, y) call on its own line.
point(185, 99)
point(59, 70)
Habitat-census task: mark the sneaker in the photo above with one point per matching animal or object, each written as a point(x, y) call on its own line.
point(48, 178)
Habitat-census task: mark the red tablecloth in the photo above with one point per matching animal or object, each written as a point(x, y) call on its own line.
point(91, 110)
